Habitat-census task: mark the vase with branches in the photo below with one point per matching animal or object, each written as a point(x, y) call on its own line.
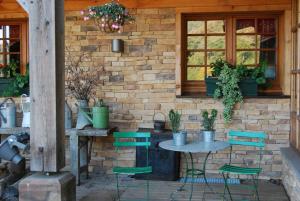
point(81, 82)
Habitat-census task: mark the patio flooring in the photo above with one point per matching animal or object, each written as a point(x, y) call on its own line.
point(103, 188)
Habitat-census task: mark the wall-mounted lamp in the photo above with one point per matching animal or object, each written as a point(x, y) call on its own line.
point(117, 45)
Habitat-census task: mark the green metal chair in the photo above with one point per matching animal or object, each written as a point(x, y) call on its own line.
point(249, 139)
point(132, 139)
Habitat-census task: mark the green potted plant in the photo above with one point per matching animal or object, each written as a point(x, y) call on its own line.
point(228, 91)
point(18, 84)
point(208, 123)
point(249, 78)
point(211, 81)
point(179, 138)
point(7, 75)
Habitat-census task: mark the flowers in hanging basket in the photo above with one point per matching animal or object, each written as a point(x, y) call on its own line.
point(109, 17)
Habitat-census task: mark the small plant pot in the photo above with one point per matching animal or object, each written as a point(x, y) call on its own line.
point(208, 136)
point(179, 138)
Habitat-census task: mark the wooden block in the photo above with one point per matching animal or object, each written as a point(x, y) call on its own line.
point(39, 187)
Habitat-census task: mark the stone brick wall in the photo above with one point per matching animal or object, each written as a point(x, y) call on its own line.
point(141, 82)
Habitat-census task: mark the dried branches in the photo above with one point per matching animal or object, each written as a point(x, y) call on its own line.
point(81, 81)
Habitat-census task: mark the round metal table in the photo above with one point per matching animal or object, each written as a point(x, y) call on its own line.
point(188, 150)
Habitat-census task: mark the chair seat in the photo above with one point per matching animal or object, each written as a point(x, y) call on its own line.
point(239, 170)
point(132, 170)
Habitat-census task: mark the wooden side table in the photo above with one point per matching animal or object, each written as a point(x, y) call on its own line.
point(81, 144)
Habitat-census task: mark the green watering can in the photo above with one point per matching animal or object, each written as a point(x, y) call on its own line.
point(99, 115)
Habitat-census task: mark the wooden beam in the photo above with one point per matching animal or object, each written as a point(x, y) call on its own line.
point(46, 46)
point(24, 4)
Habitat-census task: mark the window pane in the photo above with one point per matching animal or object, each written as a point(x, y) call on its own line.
point(245, 26)
point(215, 26)
point(245, 57)
point(13, 58)
point(266, 26)
point(266, 41)
point(1, 32)
point(196, 27)
point(209, 72)
point(1, 46)
point(216, 42)
point(196, 58)
point(12, 46)
point(1, 60)
point(246, 42)
point(196, 42)
point(213, 56)
point(267, 56)
point(195, 73)
point(14, 31)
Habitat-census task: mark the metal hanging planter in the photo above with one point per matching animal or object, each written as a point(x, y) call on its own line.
point(117, 45)
point(110, 17)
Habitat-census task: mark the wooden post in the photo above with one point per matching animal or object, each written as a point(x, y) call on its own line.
point(46, 59)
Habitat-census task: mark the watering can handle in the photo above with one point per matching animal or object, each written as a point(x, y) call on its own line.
point(22, 98)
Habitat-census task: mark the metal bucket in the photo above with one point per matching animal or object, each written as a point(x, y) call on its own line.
point(180, 138)
point(8, 113)
point(208, 136)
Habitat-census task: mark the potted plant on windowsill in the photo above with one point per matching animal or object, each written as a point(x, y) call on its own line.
point(179, 137)
point(13, 83)
point(208, 123)
point(249, 78)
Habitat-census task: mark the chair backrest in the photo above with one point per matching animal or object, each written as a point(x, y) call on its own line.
point(133, 139)
point(120, 142)
point(252, 139)
point(249, 139)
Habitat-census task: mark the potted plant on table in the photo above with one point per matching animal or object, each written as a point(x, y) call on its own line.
point(208, 123)
point(179, 137)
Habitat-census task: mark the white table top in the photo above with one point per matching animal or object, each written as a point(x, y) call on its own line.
point(195, 147)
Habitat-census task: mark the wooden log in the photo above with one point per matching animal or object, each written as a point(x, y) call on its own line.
point(46, 42)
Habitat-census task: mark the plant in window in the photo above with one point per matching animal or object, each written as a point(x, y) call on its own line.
point(228, 90)
point(109, 17)
point(19, 85)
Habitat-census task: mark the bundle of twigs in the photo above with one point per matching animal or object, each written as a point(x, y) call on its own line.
point(81, 81)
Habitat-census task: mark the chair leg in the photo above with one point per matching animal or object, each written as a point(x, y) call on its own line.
point(118, 190)
point(226, 187)
point(255, 183)
point(148, 193)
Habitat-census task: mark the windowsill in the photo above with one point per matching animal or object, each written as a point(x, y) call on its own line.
point(261, 95)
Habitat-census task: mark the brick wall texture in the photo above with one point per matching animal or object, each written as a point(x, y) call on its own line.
point(141, 82)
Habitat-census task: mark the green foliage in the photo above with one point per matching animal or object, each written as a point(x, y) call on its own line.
point(258, 73)
point(19, 84)
point(217, 67)
point(209, 121)
point(228, 90)
point(10, 70)
point(110, 16)
point(174, 117)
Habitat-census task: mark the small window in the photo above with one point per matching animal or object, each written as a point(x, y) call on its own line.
point(247, 40)
point(13, 44)
point(206, 41)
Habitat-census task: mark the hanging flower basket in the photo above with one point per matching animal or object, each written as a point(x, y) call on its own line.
point(109, 17)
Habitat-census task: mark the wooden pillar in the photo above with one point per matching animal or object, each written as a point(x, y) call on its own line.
point(46, 59)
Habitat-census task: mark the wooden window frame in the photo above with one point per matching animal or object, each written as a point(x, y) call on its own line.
point(195, 87)
point(23, 40)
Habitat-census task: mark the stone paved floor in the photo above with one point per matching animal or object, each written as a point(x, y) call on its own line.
point(102, 188)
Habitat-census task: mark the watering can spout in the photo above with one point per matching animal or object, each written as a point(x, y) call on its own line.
point(85, 114)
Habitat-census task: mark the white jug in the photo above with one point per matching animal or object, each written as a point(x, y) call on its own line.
point(25, 106)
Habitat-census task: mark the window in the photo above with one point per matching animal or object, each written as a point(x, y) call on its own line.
point(247, 40)
point(13, 44)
